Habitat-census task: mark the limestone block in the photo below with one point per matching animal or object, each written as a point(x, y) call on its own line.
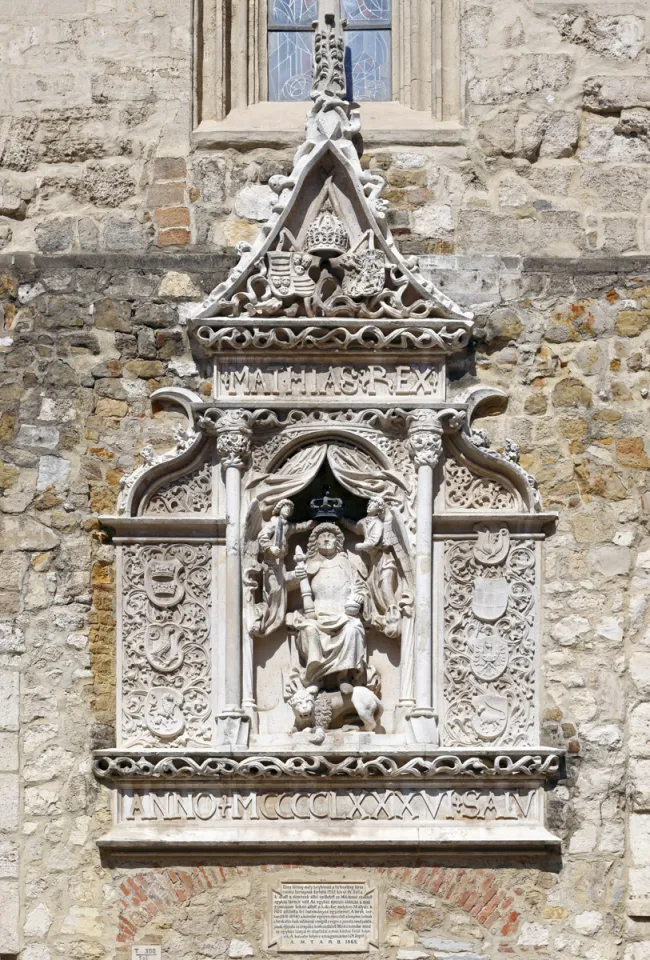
point(25, 533)
point(588, 923)
point(616, 92)
point(560, 135)
point(639, 833)
point(180, 286)
point(239, 949)
point(82, 922)
point(255, 202)
point(600, 142)
point(36, 951)
point(123, 234)
point(433, 220)
point(38, 436)
point(9, 917)
point(55, 236)
point(638, 951)
point(9, 861)
point(38, 921)
point(533, 935)
point(640, 673)
point(12, 639)
point(9, 802)
point(53, 472)
point(8, 752)
point(9, 698)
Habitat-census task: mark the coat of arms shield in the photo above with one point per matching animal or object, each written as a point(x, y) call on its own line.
point(490, 599)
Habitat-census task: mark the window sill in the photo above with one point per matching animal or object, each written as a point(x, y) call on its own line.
point(279, 125)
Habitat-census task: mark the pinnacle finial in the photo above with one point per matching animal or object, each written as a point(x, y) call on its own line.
point(329, 51)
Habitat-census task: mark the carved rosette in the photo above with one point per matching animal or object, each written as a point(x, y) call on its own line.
point(234, 439)
point(424, 441)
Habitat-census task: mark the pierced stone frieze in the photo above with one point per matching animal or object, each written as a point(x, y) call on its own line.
point(191, 493)
point(166, 675)
point(489, 642)
point(367, 337)
point(466, 489)
point(448, 765)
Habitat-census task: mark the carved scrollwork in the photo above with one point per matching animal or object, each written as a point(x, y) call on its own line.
point(466, 489)
point(189, 494)
point(370, 336)
point(489, 675)
point(166, 645)
point(445, 766)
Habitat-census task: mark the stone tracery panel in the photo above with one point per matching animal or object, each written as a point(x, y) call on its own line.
point(489, 640)
point(466, 489)
point(166, 682)
point(189, 494)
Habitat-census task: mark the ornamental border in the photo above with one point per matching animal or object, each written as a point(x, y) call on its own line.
point(179, 767)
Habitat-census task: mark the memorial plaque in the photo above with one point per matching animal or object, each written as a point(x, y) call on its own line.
point(146, 952)
point(313, 917)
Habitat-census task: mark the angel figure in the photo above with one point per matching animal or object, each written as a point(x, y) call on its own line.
point(388, 560)
point(271, 545)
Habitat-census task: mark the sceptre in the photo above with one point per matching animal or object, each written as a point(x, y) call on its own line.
point(305, 587)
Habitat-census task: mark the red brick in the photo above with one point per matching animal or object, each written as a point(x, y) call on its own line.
point(172, 217)
point(169, 168)
point(173, 238)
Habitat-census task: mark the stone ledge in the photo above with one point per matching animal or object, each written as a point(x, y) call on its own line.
point(377, 836)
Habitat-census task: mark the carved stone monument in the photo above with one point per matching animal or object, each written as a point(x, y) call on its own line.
point(329, 592)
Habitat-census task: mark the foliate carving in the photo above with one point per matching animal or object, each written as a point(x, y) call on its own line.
point(166, 645)
point(370, 336)
point(191, 493)
point(308, 767)
point(425, 437)
point(234, 438)
point(184, 439)
point(489, 645)
point(468, 490)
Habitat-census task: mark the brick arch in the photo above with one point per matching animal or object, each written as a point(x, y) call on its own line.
point(477, 892)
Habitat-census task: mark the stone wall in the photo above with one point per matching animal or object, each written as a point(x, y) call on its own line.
point(86, 341)
point(551, 156)
point(537, 216)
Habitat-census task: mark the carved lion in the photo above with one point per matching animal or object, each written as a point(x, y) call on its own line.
point(320, 711)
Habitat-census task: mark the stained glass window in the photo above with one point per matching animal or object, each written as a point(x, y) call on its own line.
point(368, 48)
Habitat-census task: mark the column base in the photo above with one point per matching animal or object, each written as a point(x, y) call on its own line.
point(422, 726)
point(233, 728)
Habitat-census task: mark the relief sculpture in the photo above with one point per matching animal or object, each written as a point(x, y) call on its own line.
point(329, 589)
point(166, 649)
point(325, 594)
point(489, 646)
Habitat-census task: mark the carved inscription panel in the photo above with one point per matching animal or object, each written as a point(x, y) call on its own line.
point(223, 807)
point(323, 917)
point(344, 383)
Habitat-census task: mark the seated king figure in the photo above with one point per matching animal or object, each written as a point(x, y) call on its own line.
point(331, 638)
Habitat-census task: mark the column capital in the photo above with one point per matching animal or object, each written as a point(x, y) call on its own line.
point(234, 438)
point(424, 441)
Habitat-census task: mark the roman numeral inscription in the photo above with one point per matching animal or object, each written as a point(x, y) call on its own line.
point(333, 381)
point(352, 805)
